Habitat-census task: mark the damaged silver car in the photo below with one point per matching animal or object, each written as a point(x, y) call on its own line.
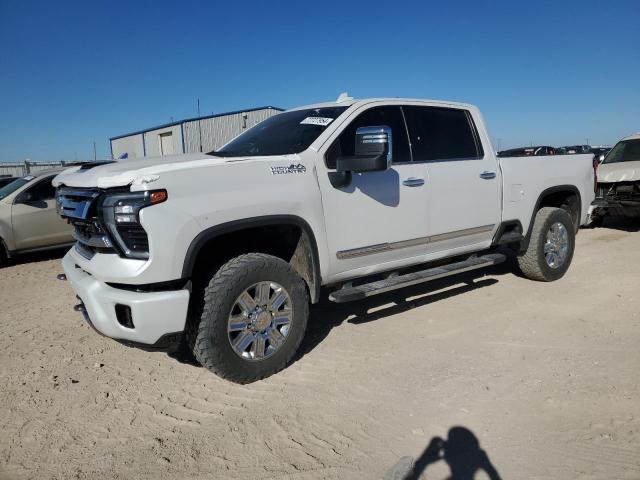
point(618, 182)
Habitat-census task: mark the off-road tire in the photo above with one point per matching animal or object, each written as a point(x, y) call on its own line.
point(532, 263)
point(208, 337)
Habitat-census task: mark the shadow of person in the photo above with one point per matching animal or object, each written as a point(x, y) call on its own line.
point(461, 451)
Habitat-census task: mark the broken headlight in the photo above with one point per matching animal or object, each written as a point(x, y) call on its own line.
point(120, 214)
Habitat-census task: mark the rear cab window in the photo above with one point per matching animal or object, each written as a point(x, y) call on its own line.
point(438, 133)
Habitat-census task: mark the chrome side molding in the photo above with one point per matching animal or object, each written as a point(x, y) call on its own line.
point(384, 247)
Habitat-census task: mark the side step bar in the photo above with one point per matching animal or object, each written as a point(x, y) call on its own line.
point(349, 294)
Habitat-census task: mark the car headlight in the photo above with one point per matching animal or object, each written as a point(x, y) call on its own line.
point(120, 213)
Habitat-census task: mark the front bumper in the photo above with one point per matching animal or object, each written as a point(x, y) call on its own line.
point(154, 314)
point(618, 208)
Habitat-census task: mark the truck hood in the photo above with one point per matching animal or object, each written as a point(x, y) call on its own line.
point(140, 171)
point(619, 172)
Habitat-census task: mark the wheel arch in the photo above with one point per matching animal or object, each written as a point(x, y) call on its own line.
point(304, 257)
point(556, 196)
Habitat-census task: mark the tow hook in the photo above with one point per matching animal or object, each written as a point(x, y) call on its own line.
point(80, 308)
point(61, 276)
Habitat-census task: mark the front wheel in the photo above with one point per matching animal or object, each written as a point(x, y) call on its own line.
point(551, 246)
point(253, 320)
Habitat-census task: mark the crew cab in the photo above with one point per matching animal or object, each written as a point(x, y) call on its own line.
point(225, 251)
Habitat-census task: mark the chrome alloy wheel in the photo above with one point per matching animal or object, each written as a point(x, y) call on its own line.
point(260, 320)
point(556, 245)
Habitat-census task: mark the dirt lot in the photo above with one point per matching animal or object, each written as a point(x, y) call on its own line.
point(545, 376)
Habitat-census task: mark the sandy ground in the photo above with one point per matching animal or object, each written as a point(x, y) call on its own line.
point(546, 377)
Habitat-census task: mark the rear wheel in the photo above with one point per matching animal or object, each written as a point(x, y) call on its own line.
point(551, 245)
point(253, 319)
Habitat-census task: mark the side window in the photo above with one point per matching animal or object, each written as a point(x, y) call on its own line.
point(390, 116)
point(43, 190)
point(441, 134)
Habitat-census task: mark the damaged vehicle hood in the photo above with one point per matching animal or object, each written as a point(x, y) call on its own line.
point(619, 172)
point(133, 172)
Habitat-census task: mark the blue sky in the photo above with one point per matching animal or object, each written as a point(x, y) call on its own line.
point(549, 72)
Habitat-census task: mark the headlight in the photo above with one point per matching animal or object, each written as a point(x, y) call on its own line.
point(120, 213)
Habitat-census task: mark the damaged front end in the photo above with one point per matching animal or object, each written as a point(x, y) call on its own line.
point(620, 199)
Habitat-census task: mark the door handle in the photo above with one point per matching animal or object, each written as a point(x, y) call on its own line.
point(413, 182)
point(488, 175)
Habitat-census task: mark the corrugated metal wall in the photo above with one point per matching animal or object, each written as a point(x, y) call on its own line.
point(131, 146)
point(217, 131)
point(152, 141)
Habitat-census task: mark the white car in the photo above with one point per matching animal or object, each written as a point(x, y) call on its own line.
point(618, 182)
point(28, 219)
point(227, 250)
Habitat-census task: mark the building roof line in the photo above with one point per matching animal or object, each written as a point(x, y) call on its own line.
point(193, 119)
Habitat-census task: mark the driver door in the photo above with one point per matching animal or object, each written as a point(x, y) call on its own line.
point(34, 218)
point(378, 221)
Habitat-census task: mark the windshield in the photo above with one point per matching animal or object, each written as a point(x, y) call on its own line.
point(13, 186)
point(624, 151)
point(282, 134)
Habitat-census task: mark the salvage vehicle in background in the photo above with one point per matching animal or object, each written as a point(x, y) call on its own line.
point(226, 251)
point(528, 152)
point(28, 218)
point(573, 149)
point(600, 152)
point(618, 182)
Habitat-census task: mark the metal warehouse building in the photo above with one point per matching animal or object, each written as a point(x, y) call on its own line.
point(192, 135)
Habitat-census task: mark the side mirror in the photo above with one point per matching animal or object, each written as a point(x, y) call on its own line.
point(24, 197)
point(373, 153)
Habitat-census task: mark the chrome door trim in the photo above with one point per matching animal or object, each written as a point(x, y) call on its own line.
point(384, 247)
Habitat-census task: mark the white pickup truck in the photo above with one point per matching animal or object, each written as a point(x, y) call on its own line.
point(225, 251)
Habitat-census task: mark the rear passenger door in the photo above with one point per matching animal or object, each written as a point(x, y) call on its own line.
point(463, 181)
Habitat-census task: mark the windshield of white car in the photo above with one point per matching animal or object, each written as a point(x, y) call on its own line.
point(282, 134)
point(624, 151)
point(13, 186)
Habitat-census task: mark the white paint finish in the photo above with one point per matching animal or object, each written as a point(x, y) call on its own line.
point(154, 314)
point(376, 208)
point(619, 172)
point(205, 192)
point(534, 175)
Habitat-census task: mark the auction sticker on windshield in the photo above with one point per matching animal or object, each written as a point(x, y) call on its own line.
point(322, 121)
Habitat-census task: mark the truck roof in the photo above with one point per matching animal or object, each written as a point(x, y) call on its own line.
point(363, 101)
point(635, 136)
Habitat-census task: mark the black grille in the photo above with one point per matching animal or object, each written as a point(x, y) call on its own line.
point(135, 238)
point(82, 208)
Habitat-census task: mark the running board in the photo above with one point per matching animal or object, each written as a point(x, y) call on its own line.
point(349, 294)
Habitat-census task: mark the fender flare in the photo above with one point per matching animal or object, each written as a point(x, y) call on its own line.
point(541, 197)
point(210, 233)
